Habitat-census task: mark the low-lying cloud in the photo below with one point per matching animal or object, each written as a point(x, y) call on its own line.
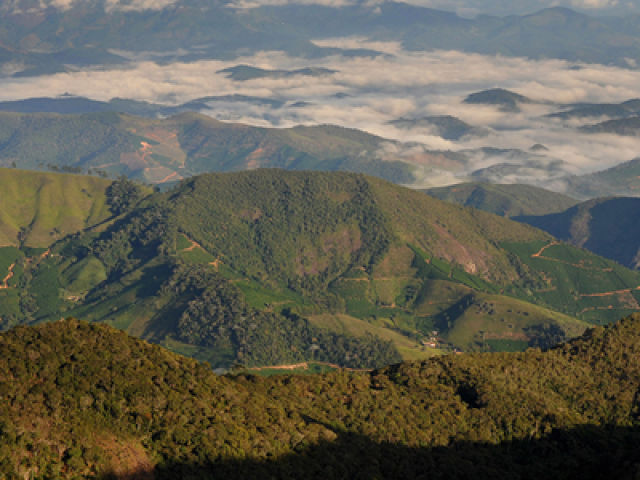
point(368, 93)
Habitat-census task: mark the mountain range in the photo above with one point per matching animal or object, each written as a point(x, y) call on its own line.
point(38, 39)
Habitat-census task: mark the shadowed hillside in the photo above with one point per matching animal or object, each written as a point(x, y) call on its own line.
point(607, 226)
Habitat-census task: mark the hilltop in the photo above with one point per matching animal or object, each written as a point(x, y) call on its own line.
point(85, 399)
point(506, 200)
point(504, 99)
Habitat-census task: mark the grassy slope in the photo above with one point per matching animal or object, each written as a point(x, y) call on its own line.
point(48, 205)
point(504, 200)
point(409, 349)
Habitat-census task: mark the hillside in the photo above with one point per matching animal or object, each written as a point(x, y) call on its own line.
point(271, 267)
point(161, 151)
point(40, 208)
point(607, 226)
point(506, 200)
point(87, 400)
point(621, 180)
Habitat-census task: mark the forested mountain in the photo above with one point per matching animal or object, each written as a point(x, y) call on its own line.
point(83, 399)
point(271, 267)
point(607, 226)
point(40, 39)
point(506, 200)
point(161, 151)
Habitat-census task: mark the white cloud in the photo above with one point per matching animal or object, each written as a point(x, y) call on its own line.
point(378, 90)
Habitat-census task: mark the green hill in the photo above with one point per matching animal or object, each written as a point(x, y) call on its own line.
point(506, 200)
point(40, 208)
point(271, 267)
point(606, 226)
point(86, 400)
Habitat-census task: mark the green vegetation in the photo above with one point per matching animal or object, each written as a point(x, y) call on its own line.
point(270, 268)
point(40, 208)
point(504, 200)
point(86, 400)
point(161, 151)
point(574, 281)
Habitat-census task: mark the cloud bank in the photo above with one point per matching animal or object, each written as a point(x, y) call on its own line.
point(367, 93)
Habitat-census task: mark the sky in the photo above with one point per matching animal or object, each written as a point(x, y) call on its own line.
point(405, 85)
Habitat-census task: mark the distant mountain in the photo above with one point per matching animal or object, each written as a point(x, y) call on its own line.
point(607, 226)
point(516, 166)
point(621, 180)
point(506, 100)
point(504, 200)
point(613, 110)
point(160, 151)
point(42, 40)
point(241, 73)
point(622, 126)
point(69, 105)
point(445, 126)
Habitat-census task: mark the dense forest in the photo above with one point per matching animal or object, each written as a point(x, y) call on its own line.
point(82, 399)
